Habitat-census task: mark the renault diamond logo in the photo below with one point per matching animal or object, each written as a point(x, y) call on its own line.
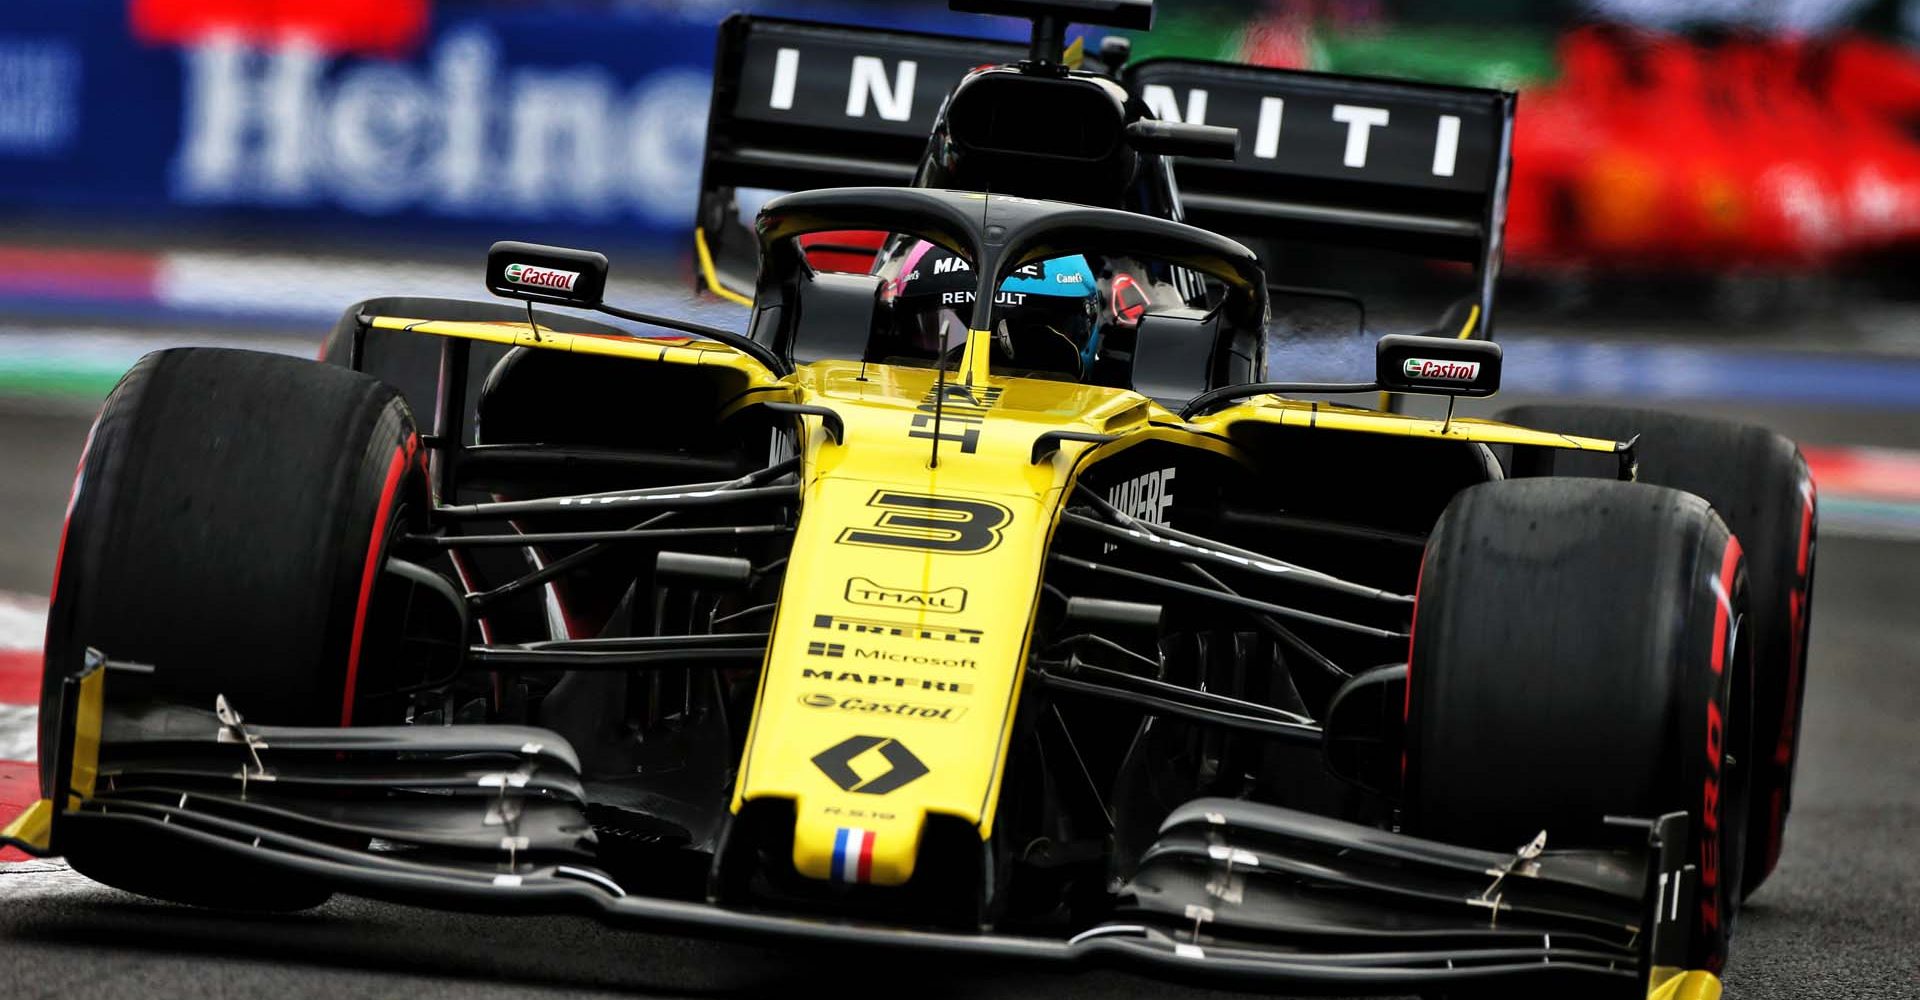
point(903, 768)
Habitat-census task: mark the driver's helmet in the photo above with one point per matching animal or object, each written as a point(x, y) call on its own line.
point(1045, 315)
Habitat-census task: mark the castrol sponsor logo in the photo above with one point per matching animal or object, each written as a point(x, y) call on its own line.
point(541, 277)
point(1443, 371)
point(883, 706)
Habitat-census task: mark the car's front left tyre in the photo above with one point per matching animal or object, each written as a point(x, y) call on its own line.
point(1757, 481)
point(1582, 649)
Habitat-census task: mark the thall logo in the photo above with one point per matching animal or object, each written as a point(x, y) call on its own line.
point(541, 277)
point(1445, 371)
point(861, 590)
point(902, 767)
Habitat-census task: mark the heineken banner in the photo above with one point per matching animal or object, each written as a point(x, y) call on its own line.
point(438, 120)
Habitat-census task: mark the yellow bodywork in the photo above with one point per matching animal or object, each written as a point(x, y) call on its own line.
point(902, 630)
point(900, 641)
point(32, 830)
point(668, 350)
point(1677, 984)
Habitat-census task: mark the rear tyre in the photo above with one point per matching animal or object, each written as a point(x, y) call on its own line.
point(1758, 482)
point(1580, 651)
point(228, 526)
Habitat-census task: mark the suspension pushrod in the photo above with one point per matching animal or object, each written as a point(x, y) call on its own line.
point(1273, 627)
point(631, 643)
point(1228, 598)
point(519, 539)
point(1158, 538)
point(1178, 692)
point(496, 657)
point(574, 560)
point(641, 502)
point(1289, 731)
point(1233, 555)
point(1268, 623)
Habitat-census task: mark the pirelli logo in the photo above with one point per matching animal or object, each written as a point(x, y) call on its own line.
point(902, 630)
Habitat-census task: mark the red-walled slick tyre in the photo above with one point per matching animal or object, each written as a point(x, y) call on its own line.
point(228, 526)
point(1758, 483)
point(1581, 650)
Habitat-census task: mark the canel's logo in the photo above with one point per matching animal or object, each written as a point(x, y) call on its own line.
point(541, 277)
point(1443, 371)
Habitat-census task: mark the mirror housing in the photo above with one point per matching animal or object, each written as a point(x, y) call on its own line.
point(1437, 365)
point(1200, 142)
point(556, 275)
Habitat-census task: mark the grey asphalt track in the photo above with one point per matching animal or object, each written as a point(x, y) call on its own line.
point(1841, 917)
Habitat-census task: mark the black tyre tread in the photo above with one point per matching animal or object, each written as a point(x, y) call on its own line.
point(220, 530)
point(1559, 668)
point(1758, 482)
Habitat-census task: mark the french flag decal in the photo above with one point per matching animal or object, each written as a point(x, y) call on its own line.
point(853, 855)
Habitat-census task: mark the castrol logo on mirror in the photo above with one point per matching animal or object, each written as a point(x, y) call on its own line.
point(1444, 371)
point(541, 277)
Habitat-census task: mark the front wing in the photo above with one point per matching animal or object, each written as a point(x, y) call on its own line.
point(493, 818)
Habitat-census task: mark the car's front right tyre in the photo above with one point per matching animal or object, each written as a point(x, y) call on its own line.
point(229, 524)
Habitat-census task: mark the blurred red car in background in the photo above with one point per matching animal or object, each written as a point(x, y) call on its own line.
point(1656, 151)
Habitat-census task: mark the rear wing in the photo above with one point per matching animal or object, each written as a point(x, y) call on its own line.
point(800, 105)
point(1414, 166)
point(1414, 162)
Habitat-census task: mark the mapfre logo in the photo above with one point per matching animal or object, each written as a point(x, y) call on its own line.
point(541, 277)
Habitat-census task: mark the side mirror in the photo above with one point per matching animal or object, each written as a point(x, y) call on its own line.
point(1200, 142)
point(557, 275)
point(1437, 365)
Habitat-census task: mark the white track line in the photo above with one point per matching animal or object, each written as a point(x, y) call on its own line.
point(23, 622)
point(23, 627)
point(19, 732)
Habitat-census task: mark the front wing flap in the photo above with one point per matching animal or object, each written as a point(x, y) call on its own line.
point(1237, 875)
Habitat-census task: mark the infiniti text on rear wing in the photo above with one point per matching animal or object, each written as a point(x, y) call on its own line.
point(798, 105)
point(1412, 165)
point(1417, 167)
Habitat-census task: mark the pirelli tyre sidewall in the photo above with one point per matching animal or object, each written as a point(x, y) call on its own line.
point(229, 519)
point(1582, 649)
point(1757, 481)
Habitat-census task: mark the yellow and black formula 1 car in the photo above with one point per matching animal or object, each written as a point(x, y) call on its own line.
point(995, 596)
